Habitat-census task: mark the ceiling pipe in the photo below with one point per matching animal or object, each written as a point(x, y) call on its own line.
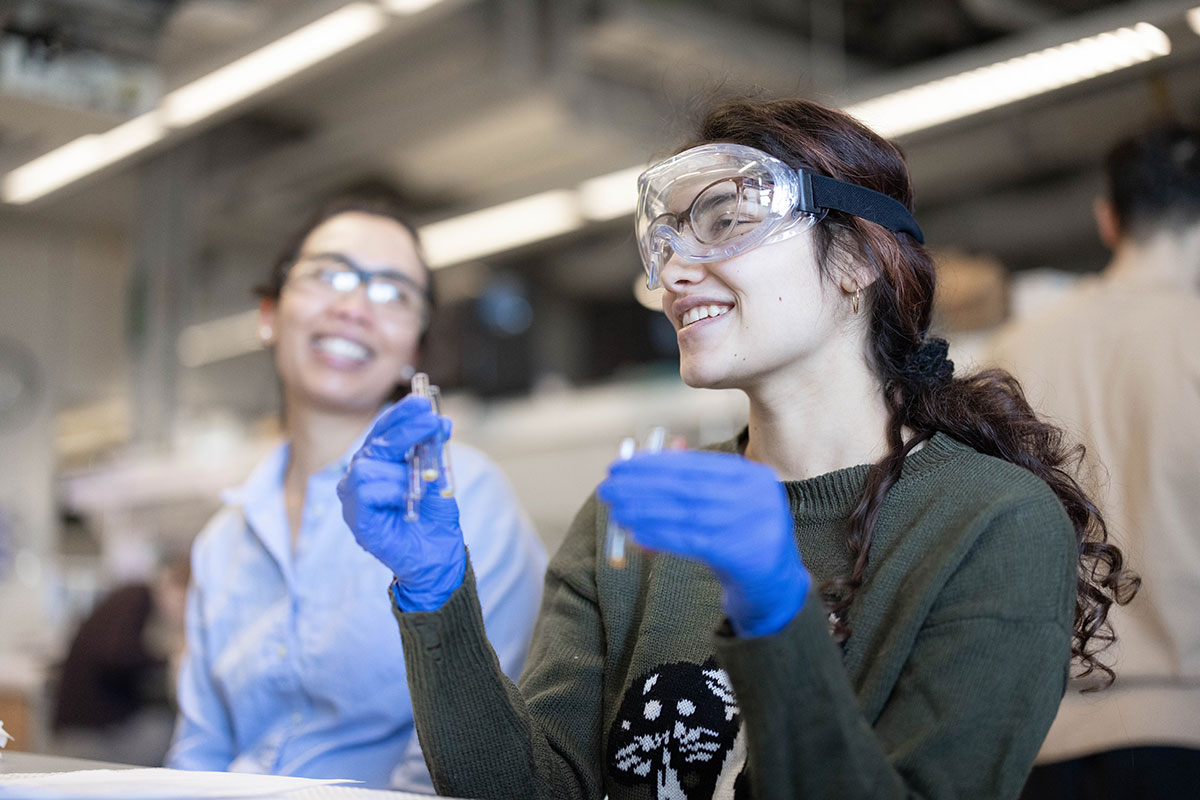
point(1008, 15)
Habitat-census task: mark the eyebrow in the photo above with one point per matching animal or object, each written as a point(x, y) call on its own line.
point(708, 199)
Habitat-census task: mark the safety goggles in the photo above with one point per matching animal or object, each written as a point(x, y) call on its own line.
point(716, 201)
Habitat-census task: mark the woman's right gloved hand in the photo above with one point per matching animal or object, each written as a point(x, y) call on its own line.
point(426, 555)
point(724, 511)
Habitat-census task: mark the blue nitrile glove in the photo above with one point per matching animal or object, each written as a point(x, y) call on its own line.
point(426, 555)
point(725, 511)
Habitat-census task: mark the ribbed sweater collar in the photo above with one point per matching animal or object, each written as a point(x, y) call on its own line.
point(834, 494)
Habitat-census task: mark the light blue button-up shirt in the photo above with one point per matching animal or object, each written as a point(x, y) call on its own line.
point(294, 664)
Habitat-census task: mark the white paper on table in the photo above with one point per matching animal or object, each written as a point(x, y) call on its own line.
point(5, 736)
point(150, 784)
point(355, 793)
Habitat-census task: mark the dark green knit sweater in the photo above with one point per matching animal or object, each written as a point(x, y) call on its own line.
point(636, 687)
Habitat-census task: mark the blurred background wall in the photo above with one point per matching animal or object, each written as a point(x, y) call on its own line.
point(155, 153)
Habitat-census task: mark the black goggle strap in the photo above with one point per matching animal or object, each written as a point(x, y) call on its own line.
point(818, 193)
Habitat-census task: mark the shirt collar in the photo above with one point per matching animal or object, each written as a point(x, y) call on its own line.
point(267, 477)
point(343, 463)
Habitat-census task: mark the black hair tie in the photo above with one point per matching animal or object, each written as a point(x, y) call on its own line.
point(927, 367)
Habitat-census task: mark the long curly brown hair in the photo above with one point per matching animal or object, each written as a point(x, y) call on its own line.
point(987, 410)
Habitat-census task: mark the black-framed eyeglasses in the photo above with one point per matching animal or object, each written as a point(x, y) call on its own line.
point(335, 273)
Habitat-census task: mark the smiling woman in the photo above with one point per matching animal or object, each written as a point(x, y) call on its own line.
point(876, 590)
point(294, 665)
point(337, 348)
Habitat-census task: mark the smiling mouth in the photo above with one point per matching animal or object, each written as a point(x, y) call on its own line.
point(341, 348)
point(698, 313)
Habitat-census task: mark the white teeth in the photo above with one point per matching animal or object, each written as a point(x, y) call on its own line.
point(702, 312)
point(342, 348)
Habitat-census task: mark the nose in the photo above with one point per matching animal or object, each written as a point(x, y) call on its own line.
point(353, 305)
point(678, 272)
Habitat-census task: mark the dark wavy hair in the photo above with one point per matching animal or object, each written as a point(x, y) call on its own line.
point(986, 410)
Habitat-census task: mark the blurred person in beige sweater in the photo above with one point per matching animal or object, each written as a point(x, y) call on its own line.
point(1117, 362)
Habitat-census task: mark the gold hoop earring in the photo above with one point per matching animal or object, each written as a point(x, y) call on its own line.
point(854, 300)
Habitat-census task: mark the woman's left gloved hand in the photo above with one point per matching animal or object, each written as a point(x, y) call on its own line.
point(725, 511)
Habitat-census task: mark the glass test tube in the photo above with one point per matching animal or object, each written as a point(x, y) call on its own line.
point(427, 456)
point(443, 456)
point(430, 459)
point(615, 535)
point(655, 440)
point(416, 483)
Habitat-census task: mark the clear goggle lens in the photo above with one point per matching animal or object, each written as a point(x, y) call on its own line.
point(727, 209)
point(712, 208)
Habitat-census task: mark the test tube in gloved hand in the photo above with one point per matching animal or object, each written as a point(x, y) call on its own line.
point(428, 460)
point(443, 454)
point(615, 535)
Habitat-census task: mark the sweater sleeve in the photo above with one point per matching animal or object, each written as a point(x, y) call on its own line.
point(482, 737)
point(506, 555)
point(971, 705)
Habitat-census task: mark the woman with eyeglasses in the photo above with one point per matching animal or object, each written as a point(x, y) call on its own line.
point(876, 590)
point(293, 665)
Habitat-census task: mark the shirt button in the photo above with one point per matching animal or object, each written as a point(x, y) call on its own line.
point(296, 717)
point(282, 651)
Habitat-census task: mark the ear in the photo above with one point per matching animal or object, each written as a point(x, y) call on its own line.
point(856, 276)
point(266, 321)
point(1107, 224)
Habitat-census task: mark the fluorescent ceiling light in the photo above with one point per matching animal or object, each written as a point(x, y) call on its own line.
point(1008, 81)
point(407, 7)
point(502, 227)
point(614, 195)
point(273, 63)
point(202, 98)
point(81, 157)
point(530, 219)
point(1193, 19)
point(610, 196)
